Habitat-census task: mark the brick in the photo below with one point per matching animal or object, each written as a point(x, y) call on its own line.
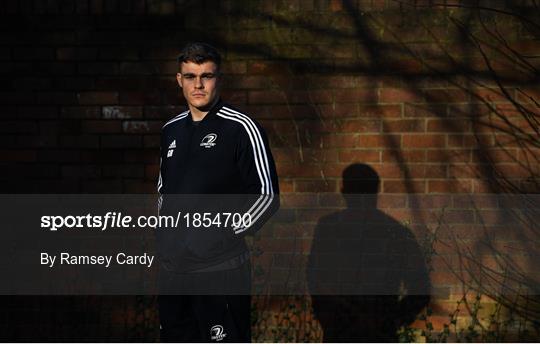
point(38, 171)
point(506, 140)
point(123, 54)
point(401, 186)
point(247, 82)
point(267, 97)
point(529, 154)
point(311, 170)
point(100, 156)
point(470, 140)
point(121, 112)
point(165, 112)
point(61, 156)
point(387, 170)
point(373, 141)
point(139, 127)
point(120, 141)
point(286, 245)
point(398, 95)
point(103, 186)
point(356, 96)
point(449, 155)
point(76, 53)
point(74, 83)
point(310, 97)
point(56, 98)
point(82, 7)
point(400, 156)
point(475, 201)
point(151, 171)
point(315, 186)
point(423, 141)
point(30, 84)
point(380, 111)
point(29, 112)
point(286, 51)
point(430, 201)
point(338, 81)
point(166, 7)
point(287, 82)
point(18, 155)
point(138, 68)
point(234, 67)
point(308, 155)
point(79, 141)
point(425, 110)
point(123, 171)
point(83, 112)
point(356, 155)
point(151, 141)
point(513, 110)
point(34, 53)
point(332, 170)
point(266, 67)
point(30, 141)
point(528, 95)
point(77, 171)
point(299, 201)
point(286, 185)
point(335, 6)
point(408, 66)
point(404, 125)
point(516, 170)
point(123, 83)
point(102, 126)
point(339, 141)
point(235, 97)
point(498, 155)
point(359, 126)
point(391, 201)
point(446, 95)
point(139, 98)
point(448, 125)
point(449, 186)
point(141, 156)
point(494, 94)
point(496, 125)
point(60, 127)
point(338, 110)
point(426, 171)
point(98, 68)
point(330, 200)
point(102, 98)
point(5, 53)
point(287, 112)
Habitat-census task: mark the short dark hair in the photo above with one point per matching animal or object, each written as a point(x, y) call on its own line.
point(199, 53)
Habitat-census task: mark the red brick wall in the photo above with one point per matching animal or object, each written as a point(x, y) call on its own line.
point(436, 99)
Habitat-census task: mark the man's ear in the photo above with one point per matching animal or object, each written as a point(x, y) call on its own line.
point(179, 79)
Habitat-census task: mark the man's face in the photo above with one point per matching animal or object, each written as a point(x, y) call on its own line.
point(199, 83)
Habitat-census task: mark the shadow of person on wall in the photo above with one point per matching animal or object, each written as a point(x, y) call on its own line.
point(366, 273)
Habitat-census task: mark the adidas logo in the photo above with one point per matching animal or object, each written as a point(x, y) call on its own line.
point(172, 145)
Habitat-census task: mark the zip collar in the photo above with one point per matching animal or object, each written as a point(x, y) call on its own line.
point(211, 113)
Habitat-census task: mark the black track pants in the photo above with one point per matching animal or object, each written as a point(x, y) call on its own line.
point(207, 318)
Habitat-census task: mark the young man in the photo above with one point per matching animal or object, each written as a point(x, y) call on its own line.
point(211, 149)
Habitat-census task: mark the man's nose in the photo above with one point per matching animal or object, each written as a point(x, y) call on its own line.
point(199, 82)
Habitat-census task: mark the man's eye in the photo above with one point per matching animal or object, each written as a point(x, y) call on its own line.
point(209, 76)
point(188, 76)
